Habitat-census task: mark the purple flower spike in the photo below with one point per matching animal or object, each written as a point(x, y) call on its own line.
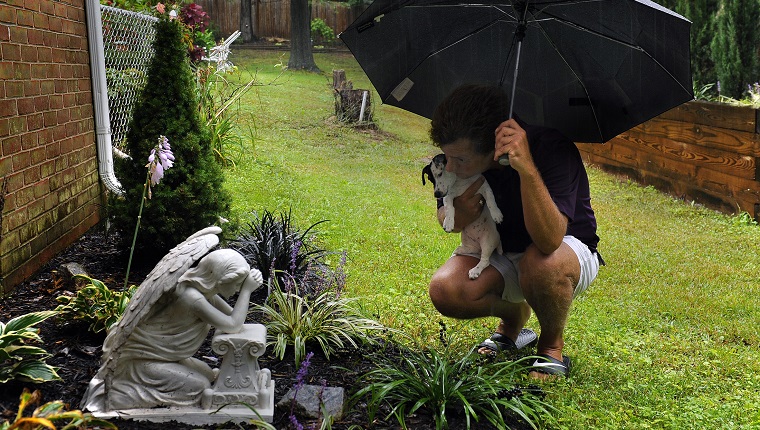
point(158, 165)
point(301, 374)
point(294, 422)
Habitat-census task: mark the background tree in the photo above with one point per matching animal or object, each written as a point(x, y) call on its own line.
point(247, 33)
point(301, 56)
point(701, 13)
point(190, 196)
point(735, 45)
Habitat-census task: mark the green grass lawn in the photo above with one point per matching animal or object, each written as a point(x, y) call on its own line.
point(667, 337)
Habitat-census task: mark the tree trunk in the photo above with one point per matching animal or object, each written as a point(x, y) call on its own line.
point(301, 56)
point(246, 26)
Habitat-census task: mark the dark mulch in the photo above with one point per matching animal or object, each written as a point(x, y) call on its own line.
point(76, 351)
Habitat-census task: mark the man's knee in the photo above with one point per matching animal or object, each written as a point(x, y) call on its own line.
point(440, 295)
point(543, 273)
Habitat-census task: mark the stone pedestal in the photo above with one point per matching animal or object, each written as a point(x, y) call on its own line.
point(240, 380)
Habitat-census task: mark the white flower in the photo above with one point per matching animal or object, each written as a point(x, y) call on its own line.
point(219, 54)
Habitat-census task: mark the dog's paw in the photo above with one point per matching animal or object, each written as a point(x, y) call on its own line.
point(497, 216)
point(448, 225)
point(475, 272)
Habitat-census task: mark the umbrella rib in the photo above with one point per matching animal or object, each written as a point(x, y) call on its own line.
point(551, 16)
point(602, 35)
point(460, 39)
point(578, 78)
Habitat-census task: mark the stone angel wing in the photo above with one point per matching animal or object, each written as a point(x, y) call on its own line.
point(159, 281)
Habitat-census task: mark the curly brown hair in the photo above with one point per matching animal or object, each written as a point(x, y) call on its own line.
point(472, 112)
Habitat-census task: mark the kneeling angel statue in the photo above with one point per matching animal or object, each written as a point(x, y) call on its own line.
point(147, 357)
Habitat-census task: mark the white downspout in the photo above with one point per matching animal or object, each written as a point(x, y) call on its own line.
point(100, 97)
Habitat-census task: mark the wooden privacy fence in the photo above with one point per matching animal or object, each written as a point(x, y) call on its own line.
point(706, 152)
point(271, 18)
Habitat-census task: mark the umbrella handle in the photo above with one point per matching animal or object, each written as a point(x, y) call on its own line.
point(519, 35)
point(504, 158)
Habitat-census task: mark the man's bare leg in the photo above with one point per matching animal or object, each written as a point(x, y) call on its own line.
point(455, 295)
point(548, 282)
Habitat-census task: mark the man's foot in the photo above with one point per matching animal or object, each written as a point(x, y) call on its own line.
point(499, 342)
point(547, 367)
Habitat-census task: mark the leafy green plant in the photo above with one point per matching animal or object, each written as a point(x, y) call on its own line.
point(122, 82)
point(477, 387)
point(95, 304)
point(19, 360)
point(329, 320)
point(321, 32)
point(219, 105)
point(50, 413)
point(133, 5)
point(277, 248)
point(703, 92)
point(752, 98)
point(744, 218)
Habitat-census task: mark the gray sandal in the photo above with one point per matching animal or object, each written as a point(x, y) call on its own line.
point(498, 342)
point(551, 366)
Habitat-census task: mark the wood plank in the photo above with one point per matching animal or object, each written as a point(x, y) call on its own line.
point(679, 178)
point(708, 198)
point(716, 177)
point(718, 115)
point(731, 163)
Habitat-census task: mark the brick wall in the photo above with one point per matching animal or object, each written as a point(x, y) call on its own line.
point(50, 193)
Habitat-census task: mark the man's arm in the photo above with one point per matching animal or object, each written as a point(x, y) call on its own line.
point(546, 225)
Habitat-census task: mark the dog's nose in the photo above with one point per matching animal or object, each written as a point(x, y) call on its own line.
point(438, 194)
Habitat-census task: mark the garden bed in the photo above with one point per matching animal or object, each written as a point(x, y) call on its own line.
point(76, 351)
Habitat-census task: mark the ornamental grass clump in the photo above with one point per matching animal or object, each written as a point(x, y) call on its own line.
point(220, 106)
point(276, 247)
point(327, 321)
point(478, 388)
point(193, 196)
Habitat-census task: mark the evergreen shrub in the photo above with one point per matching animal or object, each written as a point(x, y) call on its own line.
point(191, 195)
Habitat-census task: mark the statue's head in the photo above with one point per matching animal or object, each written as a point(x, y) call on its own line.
point(222, 271)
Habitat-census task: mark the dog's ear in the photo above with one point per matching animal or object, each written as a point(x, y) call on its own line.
point(427, 170)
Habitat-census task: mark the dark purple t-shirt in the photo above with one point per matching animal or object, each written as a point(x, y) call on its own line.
point(562, 170)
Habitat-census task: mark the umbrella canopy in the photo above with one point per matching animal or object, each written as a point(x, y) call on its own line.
point(589, 68)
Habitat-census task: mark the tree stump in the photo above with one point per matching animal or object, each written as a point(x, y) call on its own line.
point(351, 106)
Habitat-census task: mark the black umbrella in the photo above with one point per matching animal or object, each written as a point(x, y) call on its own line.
point(589, 68)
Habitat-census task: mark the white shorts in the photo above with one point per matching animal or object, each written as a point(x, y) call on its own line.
point(507, 265)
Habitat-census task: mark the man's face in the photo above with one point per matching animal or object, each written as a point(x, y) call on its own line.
point(463, 161)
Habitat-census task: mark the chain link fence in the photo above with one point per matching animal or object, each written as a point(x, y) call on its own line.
point(128, 47)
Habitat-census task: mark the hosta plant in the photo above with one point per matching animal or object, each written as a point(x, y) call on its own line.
point(95, 304)
point(328, 320)
point(50, 414)
point(479, 389)
point(19, 360)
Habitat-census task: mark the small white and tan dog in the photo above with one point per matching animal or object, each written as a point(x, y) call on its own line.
point(480, 236)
